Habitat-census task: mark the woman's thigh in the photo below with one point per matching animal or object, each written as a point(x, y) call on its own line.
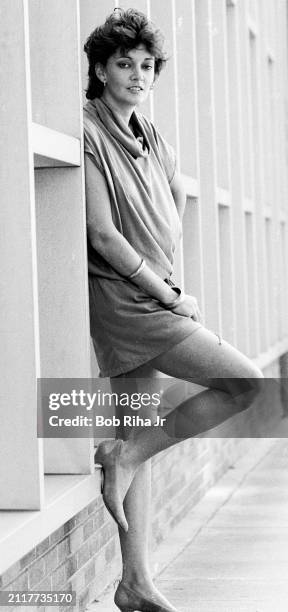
point(202, 360)
point(201, 357)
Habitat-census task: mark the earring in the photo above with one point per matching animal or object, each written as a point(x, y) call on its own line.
point(104, 83)
point(152, 87)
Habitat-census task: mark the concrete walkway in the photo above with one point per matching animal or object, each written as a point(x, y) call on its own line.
point(230, 554)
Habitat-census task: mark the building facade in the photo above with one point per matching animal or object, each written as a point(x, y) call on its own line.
point(222, 103)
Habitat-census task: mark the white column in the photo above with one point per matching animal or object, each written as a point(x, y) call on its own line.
point(21, 480)
point(237, 175)
point(207, 165)
point(248, 203)
point(258, 95)
point(61, 224)
point(223, 163)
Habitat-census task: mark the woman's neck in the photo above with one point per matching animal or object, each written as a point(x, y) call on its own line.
point(125, 112)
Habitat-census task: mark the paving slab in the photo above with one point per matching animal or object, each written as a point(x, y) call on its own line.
point(230, 554)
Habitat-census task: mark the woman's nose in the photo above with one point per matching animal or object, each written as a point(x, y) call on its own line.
point(137, 73)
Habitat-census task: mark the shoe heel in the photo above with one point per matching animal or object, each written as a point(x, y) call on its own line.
point(102, 482)
point(98, 465)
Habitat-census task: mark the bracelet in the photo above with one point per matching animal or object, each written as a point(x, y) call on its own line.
point(178, 300)
point(139, 269)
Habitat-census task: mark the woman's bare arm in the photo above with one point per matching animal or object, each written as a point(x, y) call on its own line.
point(178, 193)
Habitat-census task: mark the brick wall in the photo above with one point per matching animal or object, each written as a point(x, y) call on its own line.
point(84, 555)
point(75, 557)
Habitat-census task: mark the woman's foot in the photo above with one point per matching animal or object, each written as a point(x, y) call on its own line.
point(129, 598)
point(118, 475)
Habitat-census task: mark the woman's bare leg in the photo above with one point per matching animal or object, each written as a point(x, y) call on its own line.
point(134, 543)
point(202, 359)
point(137, 505)
point(232, 379)
point(220, 367)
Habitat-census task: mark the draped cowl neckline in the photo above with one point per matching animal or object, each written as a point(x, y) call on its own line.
point(138, 146)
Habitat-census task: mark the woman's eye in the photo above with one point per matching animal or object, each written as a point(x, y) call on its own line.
point(148, 67)
point(123, 65)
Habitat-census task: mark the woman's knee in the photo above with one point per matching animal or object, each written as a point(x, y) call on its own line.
point(246, 390)
point(255, 379)
point(257, 382)
point(238, 365)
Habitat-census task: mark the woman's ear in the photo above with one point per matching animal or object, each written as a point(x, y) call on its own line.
point(100, 73)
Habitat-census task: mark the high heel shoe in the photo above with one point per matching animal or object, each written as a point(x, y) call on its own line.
point(129, 600)
point(107, 456)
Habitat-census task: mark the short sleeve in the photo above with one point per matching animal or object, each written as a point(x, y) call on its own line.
point(167, 155)
point(90, 148)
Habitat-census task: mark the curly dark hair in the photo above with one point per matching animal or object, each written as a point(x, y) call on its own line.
point(122, 30)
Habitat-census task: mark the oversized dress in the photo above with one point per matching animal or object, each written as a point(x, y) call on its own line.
point(129, 327)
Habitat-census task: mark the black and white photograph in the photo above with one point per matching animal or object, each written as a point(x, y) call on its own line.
point(144, 300)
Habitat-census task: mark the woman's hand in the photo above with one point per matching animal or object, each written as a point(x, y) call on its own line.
point(188, 308)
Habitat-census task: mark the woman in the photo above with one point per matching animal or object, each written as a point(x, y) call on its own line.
point(135, 202)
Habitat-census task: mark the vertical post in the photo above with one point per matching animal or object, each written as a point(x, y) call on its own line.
point(62, 254)
point(207, 164)
point(280, 197)
point(248, 203)
point(237, 177)
point(189, 147)
point(21, 471)
point(257, 95)
point(223, 155)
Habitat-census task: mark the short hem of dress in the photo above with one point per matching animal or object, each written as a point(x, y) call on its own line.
point(144, 360)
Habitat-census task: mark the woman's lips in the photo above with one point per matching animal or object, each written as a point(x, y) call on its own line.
point(135, 88)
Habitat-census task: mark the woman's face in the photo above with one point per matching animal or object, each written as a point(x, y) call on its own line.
point(128, 77)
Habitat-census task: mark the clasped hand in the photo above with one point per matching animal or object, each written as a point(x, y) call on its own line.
point(189, 308)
